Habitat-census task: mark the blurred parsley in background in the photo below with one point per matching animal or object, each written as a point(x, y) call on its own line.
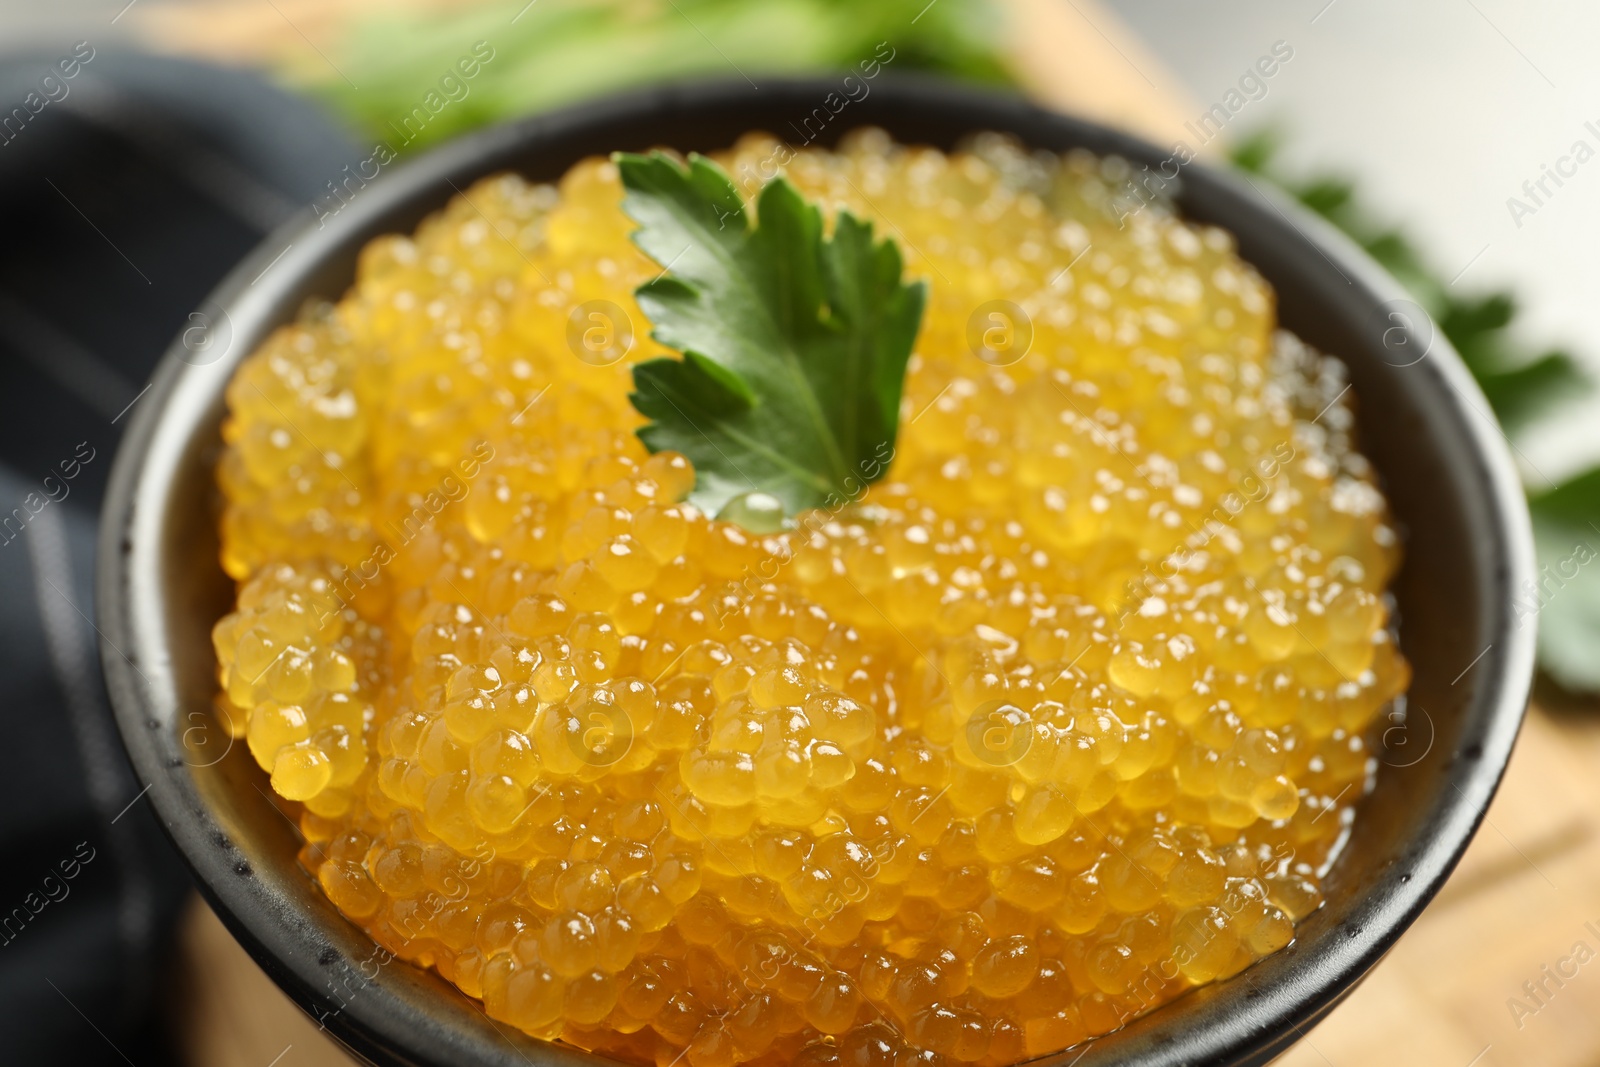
point(552, 52)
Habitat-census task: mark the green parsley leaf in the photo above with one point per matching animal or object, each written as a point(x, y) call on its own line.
point(1566, 592)
point(794, 344)
point(554, 52)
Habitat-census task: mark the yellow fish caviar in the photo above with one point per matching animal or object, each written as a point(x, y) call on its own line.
point(1064, 716)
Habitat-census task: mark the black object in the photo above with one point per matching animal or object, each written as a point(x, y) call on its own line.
point(129, 190)
point(1443, 464)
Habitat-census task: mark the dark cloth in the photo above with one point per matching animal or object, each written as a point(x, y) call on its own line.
point(125, 200)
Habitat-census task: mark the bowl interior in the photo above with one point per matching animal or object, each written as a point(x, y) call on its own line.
point(1424, 426)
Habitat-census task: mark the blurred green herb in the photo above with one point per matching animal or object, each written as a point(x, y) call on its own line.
point(1521, 387)
point(551, 52)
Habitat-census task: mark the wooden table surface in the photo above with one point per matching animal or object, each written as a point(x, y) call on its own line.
point(1502, 969)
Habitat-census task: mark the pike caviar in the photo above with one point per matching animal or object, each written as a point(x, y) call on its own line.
point(1065, 715)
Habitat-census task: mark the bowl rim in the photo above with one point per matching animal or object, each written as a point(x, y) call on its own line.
point(140, 481)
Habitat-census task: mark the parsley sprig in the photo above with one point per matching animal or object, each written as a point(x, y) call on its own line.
point(794, 342)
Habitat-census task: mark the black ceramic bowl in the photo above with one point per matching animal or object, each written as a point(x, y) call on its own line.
point(1423, 423)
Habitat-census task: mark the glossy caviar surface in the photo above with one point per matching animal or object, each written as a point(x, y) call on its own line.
point(1062, 717)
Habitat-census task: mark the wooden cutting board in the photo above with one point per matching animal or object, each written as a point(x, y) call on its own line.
point(1451, 994)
